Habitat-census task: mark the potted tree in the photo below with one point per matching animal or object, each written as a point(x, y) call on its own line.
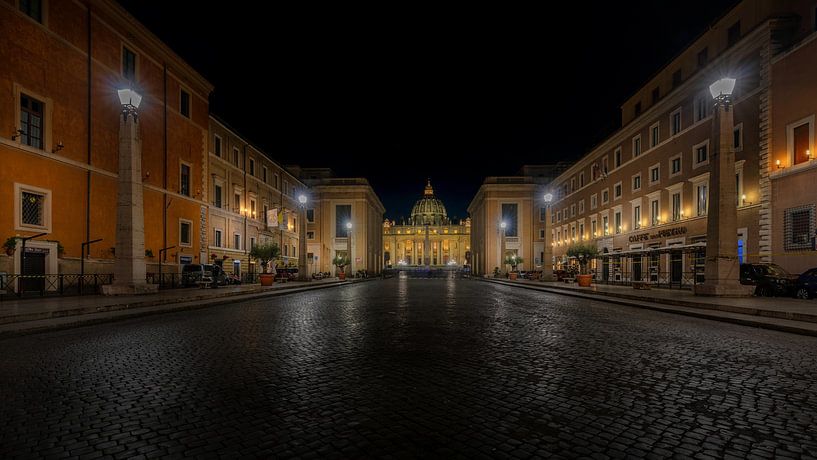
point(583, 252)
point(513, 260)
point(341, 262)
point(10, 245)
point(264, 253)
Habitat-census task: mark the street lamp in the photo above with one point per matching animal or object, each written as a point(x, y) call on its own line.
point(722, 271)
point(129, 262)
point(302, 276)
point(503, 225)
point(349, 244)
point(547, 264)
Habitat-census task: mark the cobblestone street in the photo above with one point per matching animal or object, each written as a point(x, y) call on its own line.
point(410, 368)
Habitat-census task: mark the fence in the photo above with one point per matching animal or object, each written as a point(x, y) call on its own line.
point(18, 286)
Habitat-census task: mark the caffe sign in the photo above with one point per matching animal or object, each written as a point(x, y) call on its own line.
point(675, 231)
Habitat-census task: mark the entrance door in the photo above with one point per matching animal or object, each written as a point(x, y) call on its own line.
point(33, 265)
point(605, 269)
point(636, 269)
point(676, 266)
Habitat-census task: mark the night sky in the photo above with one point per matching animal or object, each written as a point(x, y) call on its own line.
point(397, 92)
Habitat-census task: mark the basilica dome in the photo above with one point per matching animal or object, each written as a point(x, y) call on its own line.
point(428, 209)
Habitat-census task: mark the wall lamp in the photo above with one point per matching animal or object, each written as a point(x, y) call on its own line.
point(58, 147)
point(17, 133)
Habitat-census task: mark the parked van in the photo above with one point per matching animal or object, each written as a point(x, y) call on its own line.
point(193, 273)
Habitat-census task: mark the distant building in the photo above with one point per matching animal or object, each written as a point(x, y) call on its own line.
point(428, 238)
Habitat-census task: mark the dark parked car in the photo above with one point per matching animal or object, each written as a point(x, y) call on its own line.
point(806, 287)
point(769, 279)
point(193, 273)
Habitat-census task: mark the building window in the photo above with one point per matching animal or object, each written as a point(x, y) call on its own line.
point(703, 57)
point(676, 79)
point(343, 214)
point(286, 250)
point(33, 209)
point(252, 167)
point(542, 213)
point(637, 146)
point(236, 155)
point(310, 215)
point(275, 178)
point(655, 135)
point(237, 202)
point(593, 228)
point(800, 143)
point(676, 206)
point(236, 241)
point(594, 201)
point(733, 34)
point(572, 184)
point(617, 157)
point(655, 217)
point(185, 232)
point(581, 207)
point(637, 109)
point(541, 233)
point(310, 235)
point(266, 217)
point(128, 64)
point(701, 108)
point(656, 95)
point(799, 228)
point(32, 9)
point(572, 210)
point(184, 189)
point(605, 196)
point(581, 180)
point(605, 225)
point(605, 165)
point(636, 217)
point(217, 238)
point(655, 174)
point(675, 121)
point(675, 165)
point(217, 146)
point(637, 182)
point(509, 216)
point(617, 191)
point(252, 208)
point(264, 174)
point(701, 194)
point(617, 217)
point(701, 154)
point(737, 137)
point(252, 242)
point(286, 188)
point(217, 196)
point(32, 127)
point(184, 103)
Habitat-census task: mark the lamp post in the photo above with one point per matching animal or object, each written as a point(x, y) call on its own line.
point(502, 225)
point(547, 263)
point(722, 271)
point(349, 244)
point(129, 263)
point(302, 276)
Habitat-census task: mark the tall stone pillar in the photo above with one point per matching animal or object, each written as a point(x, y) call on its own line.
point(547, 263)
point(129, 263)
point(427, 250)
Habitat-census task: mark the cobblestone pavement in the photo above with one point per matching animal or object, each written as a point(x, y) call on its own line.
point(410, 368)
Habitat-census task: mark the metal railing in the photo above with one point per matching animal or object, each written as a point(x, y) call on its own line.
point(12, 285)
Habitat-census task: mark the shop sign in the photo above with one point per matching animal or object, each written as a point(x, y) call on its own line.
point(666, 233)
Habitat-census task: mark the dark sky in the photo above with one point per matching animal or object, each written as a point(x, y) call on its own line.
point(397, 92)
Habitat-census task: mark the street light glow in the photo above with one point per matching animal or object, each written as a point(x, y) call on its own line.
point(302, 198)
point(722, 87)
point(129, 97)
point(548, 197)
point(349, 225)
point(503, 225)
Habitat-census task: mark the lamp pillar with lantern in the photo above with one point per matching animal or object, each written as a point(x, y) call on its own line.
point(129, 260)
point(302, 275)
point(547, 263)
point(502, 225)
point(722, 270)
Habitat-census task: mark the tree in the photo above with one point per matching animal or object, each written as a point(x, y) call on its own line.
point(583, 252)
point(264, 253)
point(513, 260)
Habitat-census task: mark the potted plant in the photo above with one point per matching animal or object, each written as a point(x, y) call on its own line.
point(10, 245)
point(513, 260)
point(264, 253)
point(341, 262)
point(149, 253)
point(583, 252)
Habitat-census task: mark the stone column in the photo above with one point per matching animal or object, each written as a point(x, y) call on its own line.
point(427, 250)
point(129, 263)
point(722, 269)
point(547, 263)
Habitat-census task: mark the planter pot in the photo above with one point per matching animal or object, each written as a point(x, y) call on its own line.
point(584, 280)
point(341, 276)
point(266, 279)
point(513, 275)
point(9, 252)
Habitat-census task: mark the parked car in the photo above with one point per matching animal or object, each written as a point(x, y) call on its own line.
point(769, 279)
point(806, 287)
point(193, 273)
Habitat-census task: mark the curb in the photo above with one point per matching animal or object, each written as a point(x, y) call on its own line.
point(140, 309)
point(755, 320)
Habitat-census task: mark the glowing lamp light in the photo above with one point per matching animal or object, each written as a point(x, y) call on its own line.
point(778, 164)
point(504, 224)
point(722, 87)
point(349, 225)
point(548, 197)
point(302, 199)
point(129, 97)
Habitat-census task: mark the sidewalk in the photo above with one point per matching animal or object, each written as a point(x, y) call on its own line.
point(780, 313)
point(18, 316)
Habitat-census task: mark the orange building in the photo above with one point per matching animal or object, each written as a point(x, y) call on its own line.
point(61, 64)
